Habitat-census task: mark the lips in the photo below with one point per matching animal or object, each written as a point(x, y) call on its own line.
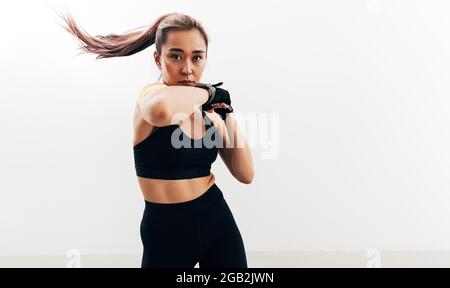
point(186, 82)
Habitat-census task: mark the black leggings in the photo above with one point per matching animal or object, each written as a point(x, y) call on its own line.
point(201, 230)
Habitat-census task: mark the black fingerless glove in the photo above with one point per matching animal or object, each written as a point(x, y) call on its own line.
point(223, 112)
point(216, 95)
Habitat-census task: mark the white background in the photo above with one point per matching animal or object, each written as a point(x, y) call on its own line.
point(360, 89)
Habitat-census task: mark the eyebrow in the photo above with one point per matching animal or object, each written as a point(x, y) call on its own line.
point(181, 50)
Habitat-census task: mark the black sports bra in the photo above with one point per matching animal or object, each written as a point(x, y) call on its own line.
point(169, 153)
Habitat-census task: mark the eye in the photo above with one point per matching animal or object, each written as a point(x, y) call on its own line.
point(174, 55)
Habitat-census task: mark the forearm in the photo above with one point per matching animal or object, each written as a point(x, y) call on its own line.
point(179, 102)
point(237, 152)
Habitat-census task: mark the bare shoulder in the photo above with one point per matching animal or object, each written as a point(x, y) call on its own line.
point(142, 128)
point(151, 86)
point(145, 91)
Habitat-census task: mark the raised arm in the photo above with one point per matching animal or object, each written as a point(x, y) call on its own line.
point(160, 103)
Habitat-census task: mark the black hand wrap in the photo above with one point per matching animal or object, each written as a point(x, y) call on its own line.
point(216, 95)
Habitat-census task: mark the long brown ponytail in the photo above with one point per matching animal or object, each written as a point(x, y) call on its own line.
point(132, 41)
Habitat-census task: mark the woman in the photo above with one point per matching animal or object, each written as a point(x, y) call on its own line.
point(186, 218)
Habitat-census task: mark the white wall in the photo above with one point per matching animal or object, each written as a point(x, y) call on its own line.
point(354, 94)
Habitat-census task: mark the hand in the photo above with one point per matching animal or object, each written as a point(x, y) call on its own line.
point(216, 95)
point(222, 109)
point(221, 96)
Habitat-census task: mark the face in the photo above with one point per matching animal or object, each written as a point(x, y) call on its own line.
point(183, 57)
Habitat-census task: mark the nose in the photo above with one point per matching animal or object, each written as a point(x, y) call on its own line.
point(187, 68)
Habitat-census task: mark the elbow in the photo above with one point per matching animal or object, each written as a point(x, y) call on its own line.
point(158, 114)
point(248, 179)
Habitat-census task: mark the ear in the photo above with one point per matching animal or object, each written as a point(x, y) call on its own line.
point(157, 58)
